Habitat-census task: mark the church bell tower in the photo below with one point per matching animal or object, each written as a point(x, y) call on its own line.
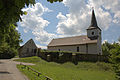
point(94, 32)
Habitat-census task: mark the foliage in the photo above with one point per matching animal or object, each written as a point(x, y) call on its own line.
point(105, 50)
point(106, 47)
point(115, 55)
point(69, 71)
point(10, 13)
point(11, 10)
point(13, 37)
point(9, 42)
point(6, 51)
point(49, 52)
point(113, 51)
point(51, 1)
point(115, 59)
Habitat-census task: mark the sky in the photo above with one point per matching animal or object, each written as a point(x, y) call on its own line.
point(45, 21)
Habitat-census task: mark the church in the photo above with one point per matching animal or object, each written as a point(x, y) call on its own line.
point(86, 44)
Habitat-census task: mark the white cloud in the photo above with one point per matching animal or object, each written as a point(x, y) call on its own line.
point(79, 17)
point(104, 41)
point(75, 22)
point(42, 47)
point(33, 21)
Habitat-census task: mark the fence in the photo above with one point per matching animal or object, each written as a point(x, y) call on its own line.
point(38, 73)
point(69, 56)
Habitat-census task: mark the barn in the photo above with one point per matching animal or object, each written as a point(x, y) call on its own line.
point(28, 49)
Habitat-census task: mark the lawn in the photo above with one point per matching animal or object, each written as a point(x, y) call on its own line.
point(68, 71)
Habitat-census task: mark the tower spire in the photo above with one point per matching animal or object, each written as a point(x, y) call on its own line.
point(93, 20)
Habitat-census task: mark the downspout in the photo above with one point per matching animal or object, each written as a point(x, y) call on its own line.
point(86, 48)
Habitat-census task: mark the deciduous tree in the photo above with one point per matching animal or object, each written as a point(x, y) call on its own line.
point(10, 13)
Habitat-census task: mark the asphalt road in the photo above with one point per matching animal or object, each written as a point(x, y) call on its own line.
point(8, 71)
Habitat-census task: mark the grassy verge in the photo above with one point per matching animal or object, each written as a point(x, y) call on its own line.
point(30, 74)
point(68, 71)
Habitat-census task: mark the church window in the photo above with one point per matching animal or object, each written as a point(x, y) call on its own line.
point(77, 49)
point(92, 33)
point(58, 49)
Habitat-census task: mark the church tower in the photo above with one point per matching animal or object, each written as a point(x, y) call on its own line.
point(94, 32)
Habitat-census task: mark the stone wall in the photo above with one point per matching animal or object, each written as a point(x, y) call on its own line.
point(62, 57)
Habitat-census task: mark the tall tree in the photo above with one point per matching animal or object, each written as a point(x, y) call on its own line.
point(10, 13)
point(11, 10)
point(115, 59)
point(106, 47)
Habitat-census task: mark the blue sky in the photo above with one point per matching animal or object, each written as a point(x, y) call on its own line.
point(46, 21)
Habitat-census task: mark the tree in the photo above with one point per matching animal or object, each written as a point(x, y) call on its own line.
point(6, 51)
point(11, 10)
point(10, 13)
point(10, 44)
point(106, 48)
point(51, 1)
point(115, 59)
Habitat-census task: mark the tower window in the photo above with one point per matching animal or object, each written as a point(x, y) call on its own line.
point(92, 33)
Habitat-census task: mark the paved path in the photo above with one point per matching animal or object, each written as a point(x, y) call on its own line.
point(8, 70)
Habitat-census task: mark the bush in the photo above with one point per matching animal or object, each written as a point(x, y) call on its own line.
point(6, 52)
point(115, 59)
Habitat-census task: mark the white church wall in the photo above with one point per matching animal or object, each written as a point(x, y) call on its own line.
point(92, 48)
point(63, 48)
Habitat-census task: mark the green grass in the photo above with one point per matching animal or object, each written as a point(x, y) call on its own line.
point(31, 75)
point(68, 71)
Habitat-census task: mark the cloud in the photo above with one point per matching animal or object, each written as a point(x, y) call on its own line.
point(104, 41)
point(79, 17)
point(75, 22)
point(39, 46)
point(34, 22)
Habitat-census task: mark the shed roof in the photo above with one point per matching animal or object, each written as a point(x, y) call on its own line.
point(76, 40)
point(31, 40)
